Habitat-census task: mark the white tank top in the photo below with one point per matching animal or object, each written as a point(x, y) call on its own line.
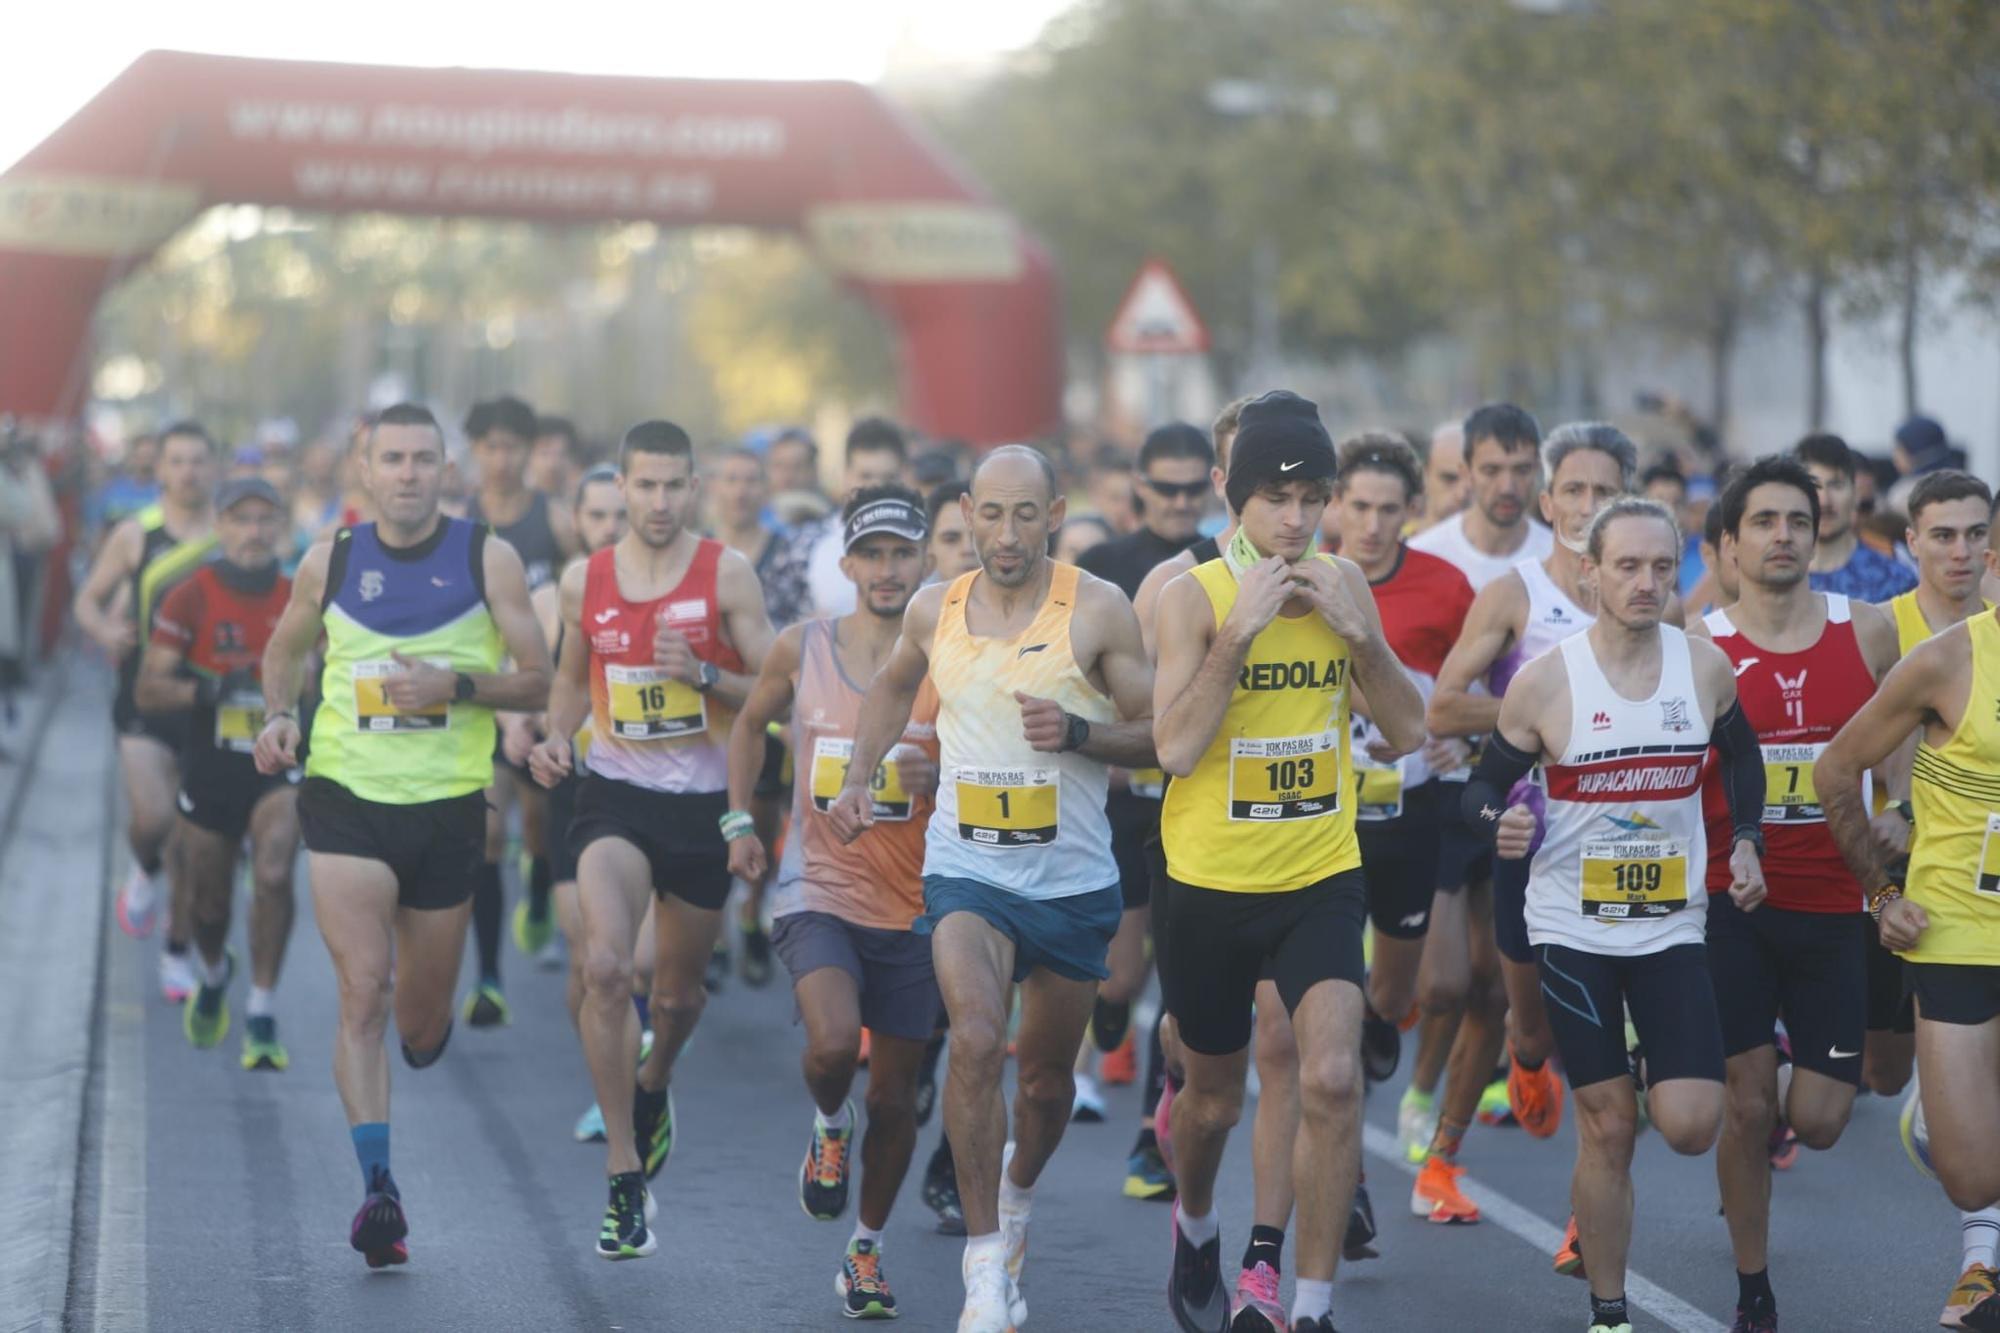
point(1552, 617)
point(1448, 540)
point(1620, 870)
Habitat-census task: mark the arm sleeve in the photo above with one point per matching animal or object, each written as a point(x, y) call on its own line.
point(1742, 771)
point(1500, 766)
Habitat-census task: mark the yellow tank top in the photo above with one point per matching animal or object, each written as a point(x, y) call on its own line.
point(1911, 627)
point(1955, 845)
point(1269, 807)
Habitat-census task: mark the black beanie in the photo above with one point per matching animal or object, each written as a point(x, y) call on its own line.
point(1279, 438)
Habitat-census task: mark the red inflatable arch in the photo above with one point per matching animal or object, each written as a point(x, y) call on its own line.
point(971, 296)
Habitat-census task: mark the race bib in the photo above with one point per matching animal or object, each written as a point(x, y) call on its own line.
point(1006, 807)
point(373, 713)
point(649, 705)
point(1789, 794)
point(1378, 789)
point(238, 720)
point(829, 775)
point(1148, 783)
point(1286, 777)
point(1988, 879)
point(1634, 879)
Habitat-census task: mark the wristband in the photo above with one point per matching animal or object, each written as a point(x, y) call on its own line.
point(1889, 894)
point(269, 718)
point(736, 824)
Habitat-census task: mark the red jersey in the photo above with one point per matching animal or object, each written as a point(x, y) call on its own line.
point(219, 619)
point(1423, 603)
point(647, 728)
point(1795, 702)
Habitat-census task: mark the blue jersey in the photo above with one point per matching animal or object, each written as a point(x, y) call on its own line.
point(1868, 576)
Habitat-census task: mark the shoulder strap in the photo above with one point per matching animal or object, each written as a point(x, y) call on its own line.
point(1837, 610)
point(336, 567)
point(1718, 623)
point(475, 555)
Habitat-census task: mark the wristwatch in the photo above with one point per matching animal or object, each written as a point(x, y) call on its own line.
point(1076, 731)
point(1752, 834)
point(705, 676)
point(462, 689)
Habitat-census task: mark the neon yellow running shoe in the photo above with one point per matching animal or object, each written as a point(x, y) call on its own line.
point(532, 936)
point(261, 1047)
point(205, 1012)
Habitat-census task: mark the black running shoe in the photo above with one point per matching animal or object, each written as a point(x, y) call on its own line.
point(624, 1233)
point(1381, 1047)
point(379, 1228)
point(941, 1194)
point(864, 1292)
point(1360, 1241)
point(823, 1175)
point(756, 956)
point(1323, 1324)
point(1194, 1289)
point(718, 969)
point(653, 1128)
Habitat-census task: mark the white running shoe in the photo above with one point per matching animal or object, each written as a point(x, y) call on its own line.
point(986, 1301)
point(1014, 1230)
point(137, 903)
point(177, 979)
point(1088, 1106)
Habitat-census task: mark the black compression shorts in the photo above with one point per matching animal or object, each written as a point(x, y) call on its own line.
point(677, 831)
point(1672, 1004)
point(1808, 968)
point(1399, 860)
point(436, 849)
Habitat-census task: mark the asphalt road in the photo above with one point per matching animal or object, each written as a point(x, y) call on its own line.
point(209, 1198)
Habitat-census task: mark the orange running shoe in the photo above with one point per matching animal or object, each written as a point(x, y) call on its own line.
point(1569, 1259)
point(861, 1061)
point(1535, 1096)
point(1411, 1019)
point(1119, 1068)
point(1436, 1196)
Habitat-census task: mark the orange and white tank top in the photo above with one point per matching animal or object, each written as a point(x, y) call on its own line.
point(878, 879)
point(647, 728)
point(1007, 814)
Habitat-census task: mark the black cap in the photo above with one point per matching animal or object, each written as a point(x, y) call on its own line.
point(238, 489)
point(1279, 438)
point(892, 515)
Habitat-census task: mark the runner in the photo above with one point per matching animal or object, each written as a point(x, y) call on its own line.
point(1019, 881)
point(557, 461)
point(875, 455)
point(1621, 717)
point(1263, 866)
point(1843, 562)
point(842, 912)
point(952, 551)
point(139, 563)
point(417, 610)
point(1447, 483)
point(1465, 1004)
point(503, 432)
point(203, 660)
point(1804, 662)
point(660, 632)
point(1173, 475)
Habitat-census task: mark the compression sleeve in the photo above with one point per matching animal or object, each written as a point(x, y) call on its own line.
point(1742, 771)
point(1500, 766)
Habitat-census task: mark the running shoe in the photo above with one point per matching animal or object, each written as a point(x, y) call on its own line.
point(1146, 1174)
point(1163, 1124)
point(1436, 1196)
point(1569, 1259)
point(1359, 1242)
point(590, 1125)
point(756, 956)
point(261, 1047)
point(176, 976)
point(654, 1132)
point(940, 1194)
point(1259, 1307)
point(531, 933)
point(1194, 1287)
point(860, 1283)
point(551, 957)
point(823, 1175)
point(137, 905)
point(1416, 1124)
point(1760, 1319)
point(1784, 1146)
point(718, 968)
point(1014, 1227)
point(1493, 1108)
point(624, 1233)
point(486, 1007)
point(927, 1081)
point(1119, 1066)
point(1535, 1096)
point(1323, 1324)
point(1381, 1046)
point(205, 1012)
point(1915, 1133)
point(379, 1228)
point(1975, 1288)
point(986, 1301)
point(1605, 1326)
point(1088, 1106)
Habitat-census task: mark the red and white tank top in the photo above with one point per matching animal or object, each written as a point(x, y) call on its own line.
point(647, 728)
point(1795, 702)
point(1620, 867)
point(1423, 603)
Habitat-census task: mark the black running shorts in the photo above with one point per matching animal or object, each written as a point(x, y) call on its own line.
point(1672, 1004)
point(678, 832)
point(1889, 1007)
point(436, 849)
point(1399, 860)
point(1220, 944)
point(1133, 820)
point(1963, 994)
point(1464, 857)
point(774, 779)
point(1808, 968)
point(220, 790)
point(556, 830)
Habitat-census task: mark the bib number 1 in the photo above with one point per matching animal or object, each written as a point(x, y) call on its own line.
point(1006, 807)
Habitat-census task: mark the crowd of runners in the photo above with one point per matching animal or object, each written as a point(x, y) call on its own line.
point(1438, 743)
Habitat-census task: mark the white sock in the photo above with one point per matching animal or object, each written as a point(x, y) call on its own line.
point(140, 886)
point(1979, 1233)
point(1199, 1230)
point(260, 1002)
point(1311, 1299)
point(862, 1231)
point(990, 1248)
point(838, 1121)
point(210, 974)
point(1014, 1199)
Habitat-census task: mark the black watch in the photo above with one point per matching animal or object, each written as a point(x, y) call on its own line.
point(462, 689)
point(1752, 834)
point(1076, 731)
point(705, 676)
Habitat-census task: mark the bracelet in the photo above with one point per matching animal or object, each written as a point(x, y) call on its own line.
point(737, 824)
point(1888, 895)
point(269, 718)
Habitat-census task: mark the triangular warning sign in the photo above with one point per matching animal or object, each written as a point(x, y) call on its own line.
point(1156, 318)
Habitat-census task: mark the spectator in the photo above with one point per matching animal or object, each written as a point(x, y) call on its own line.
point(29, 526)
point(952, 552)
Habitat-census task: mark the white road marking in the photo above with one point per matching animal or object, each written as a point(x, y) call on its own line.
point(1545, 1239)
point(121, 1298)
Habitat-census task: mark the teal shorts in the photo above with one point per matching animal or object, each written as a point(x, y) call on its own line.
point(1070, 936)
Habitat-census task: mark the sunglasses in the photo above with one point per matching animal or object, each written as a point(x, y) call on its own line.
point(1168, 490)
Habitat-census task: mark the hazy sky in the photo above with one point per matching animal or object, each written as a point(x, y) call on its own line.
point(64, 52)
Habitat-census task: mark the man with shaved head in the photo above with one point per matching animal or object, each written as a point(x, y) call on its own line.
point(1042, 683)
point(1447, 485)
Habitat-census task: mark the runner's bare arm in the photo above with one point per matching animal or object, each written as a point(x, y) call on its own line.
point(116, 559)
point(1489, 629)
point(160, 688)
point(1198, 665)
point(1111, 627)
point(1516, 745)
point(770, 698)
point(569, 688)
point(525, 686)
point(739, 597)
point(298, 629)
point(885, 711)
point(1395, 706)
point(1146, 602)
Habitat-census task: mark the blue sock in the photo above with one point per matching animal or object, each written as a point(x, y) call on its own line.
point(644, 1004)
point(371, 1149)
